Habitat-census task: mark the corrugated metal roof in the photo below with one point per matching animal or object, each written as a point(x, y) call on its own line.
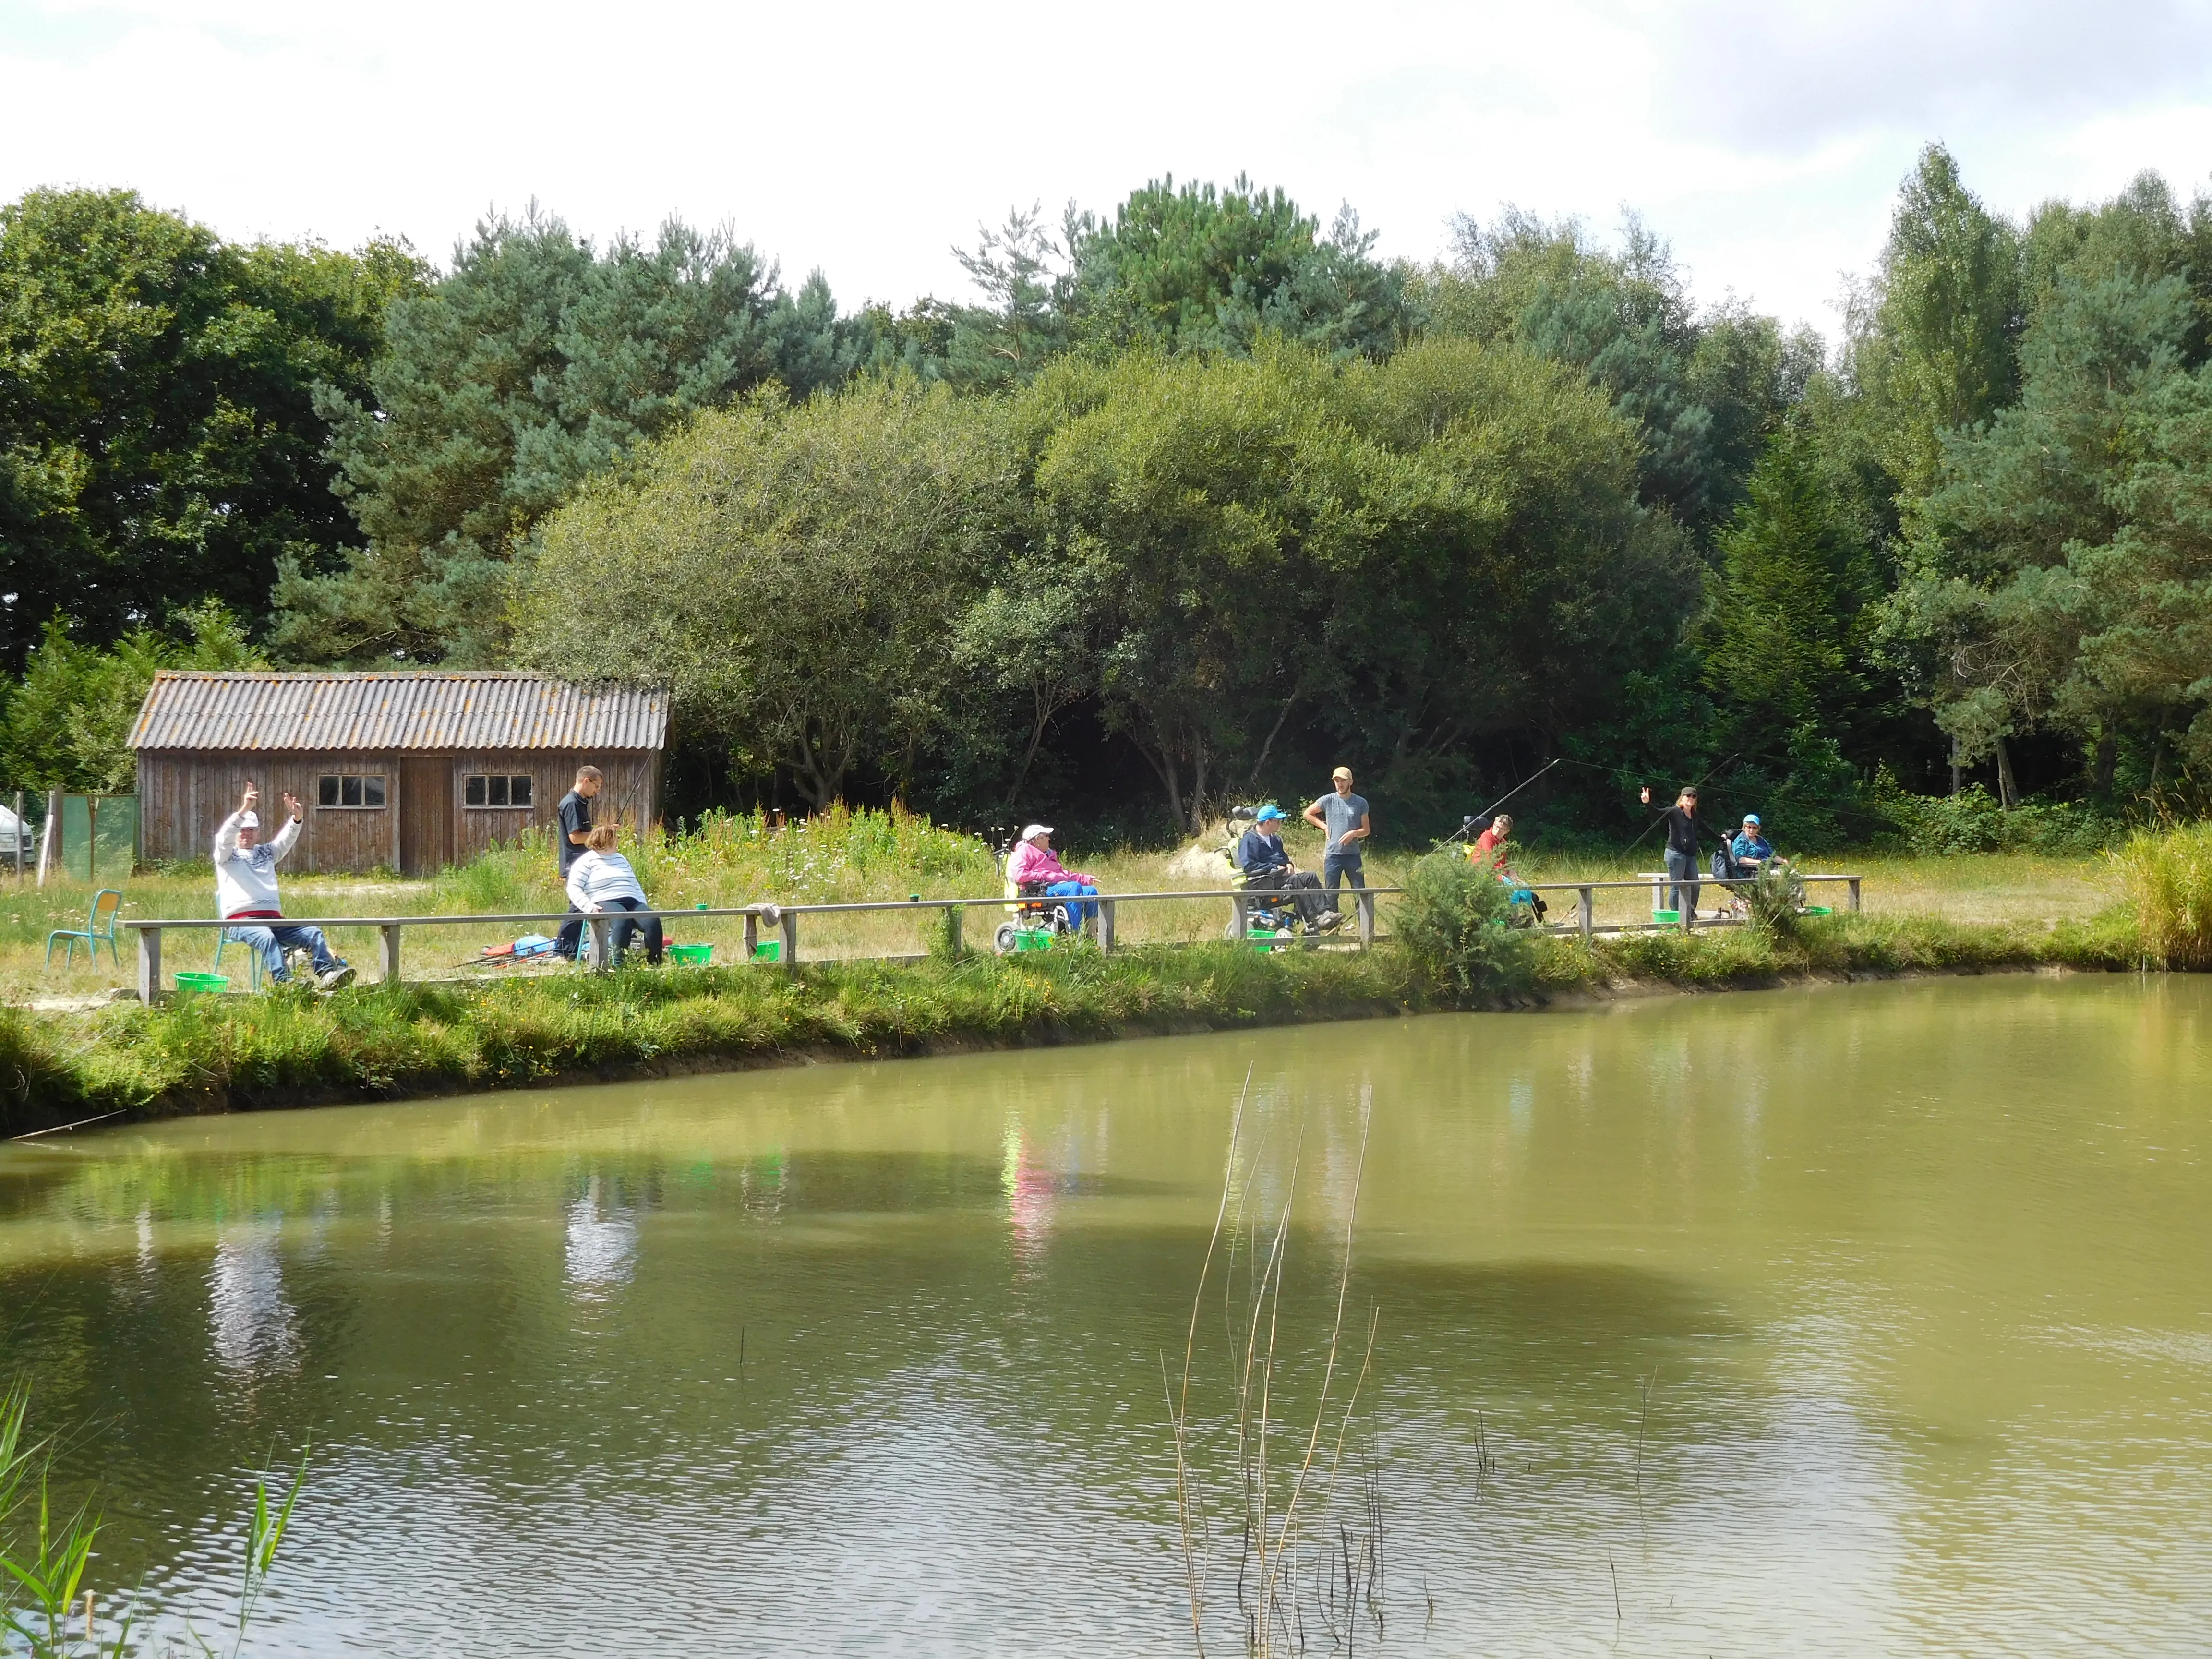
point(429, 710)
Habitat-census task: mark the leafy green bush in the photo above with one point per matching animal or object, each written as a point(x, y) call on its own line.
point(1777, 897)
point(1971, 821)
point(2169, 876)
point(1453, 921)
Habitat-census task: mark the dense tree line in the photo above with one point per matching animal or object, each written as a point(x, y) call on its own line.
point(1185, 501)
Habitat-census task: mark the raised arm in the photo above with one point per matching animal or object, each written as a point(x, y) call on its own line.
point(226, 836)
point(288, 837)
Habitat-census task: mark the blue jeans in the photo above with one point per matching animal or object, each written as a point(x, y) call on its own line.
point(1682, 868)
point(1077, 913)
point(619, 935)
point(1336, 868)
point(271, 944)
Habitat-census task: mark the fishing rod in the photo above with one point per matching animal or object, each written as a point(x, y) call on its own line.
point(1661, 818)
point(1484, 816)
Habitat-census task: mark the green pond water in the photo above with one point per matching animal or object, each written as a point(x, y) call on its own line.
point(1859, 1320)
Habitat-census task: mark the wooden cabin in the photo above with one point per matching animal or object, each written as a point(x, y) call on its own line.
point(405, 771)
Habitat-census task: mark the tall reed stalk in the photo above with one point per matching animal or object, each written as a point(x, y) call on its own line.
point(1290, 1557)
point(44, 1558)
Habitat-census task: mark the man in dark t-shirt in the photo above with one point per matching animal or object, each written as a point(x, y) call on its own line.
point(575, 815)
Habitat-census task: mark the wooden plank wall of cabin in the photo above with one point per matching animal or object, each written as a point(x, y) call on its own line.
point(628, 791)
point(185, 795)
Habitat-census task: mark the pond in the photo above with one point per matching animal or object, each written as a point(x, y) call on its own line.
point(1871, 1319)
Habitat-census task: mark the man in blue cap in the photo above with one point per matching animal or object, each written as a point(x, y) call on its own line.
point(1267, 866)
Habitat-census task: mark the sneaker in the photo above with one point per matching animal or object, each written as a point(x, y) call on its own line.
point(1330, 921)
point(337, 975)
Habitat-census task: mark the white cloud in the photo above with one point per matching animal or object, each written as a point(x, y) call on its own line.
point(1765, 142)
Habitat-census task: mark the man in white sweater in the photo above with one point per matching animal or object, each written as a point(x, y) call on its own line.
point(603, 880)
point(245, 893)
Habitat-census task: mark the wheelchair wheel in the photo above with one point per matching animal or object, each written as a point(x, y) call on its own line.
point(1003, 940)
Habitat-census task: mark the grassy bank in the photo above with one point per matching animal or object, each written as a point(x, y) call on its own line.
point(374, 1042)
point(842, 856)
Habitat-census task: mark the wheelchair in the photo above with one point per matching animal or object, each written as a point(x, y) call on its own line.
point(1265, 908)
point(1033, 914)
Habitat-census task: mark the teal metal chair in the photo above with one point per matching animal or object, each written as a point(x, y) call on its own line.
point(98, 926)
point(252, 958)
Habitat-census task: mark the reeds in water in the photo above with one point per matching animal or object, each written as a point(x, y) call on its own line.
point(1307, 1530)
point(2169, 879)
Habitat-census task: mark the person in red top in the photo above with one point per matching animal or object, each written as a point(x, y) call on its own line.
point(1491, 844)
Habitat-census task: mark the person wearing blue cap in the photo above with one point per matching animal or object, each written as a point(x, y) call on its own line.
point(1750, 849)
point(1267, 866)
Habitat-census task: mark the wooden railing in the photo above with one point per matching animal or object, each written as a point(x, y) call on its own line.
point(784, 919)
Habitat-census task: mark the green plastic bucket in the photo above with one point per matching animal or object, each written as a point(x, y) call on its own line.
point(1264, 940)
point(692, 955)
point(1033, 939)
point(771, 950)
point(1818, 910)
point(1674, 916)
point(191, 983)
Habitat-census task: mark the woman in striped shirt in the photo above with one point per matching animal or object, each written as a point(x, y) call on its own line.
point(602, 880)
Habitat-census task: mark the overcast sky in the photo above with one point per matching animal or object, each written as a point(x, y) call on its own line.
point(1765, 142)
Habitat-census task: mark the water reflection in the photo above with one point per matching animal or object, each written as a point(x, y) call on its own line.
point(1867, 1321)
point(248, 1313)
point(602, 1244)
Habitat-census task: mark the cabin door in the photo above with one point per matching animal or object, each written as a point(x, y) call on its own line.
point(425, 816)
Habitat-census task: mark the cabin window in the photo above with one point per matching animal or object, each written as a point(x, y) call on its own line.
point(512, 790)
point(350, 789)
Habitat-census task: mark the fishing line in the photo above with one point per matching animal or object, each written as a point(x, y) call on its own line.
point(1661, 818)
point(1484, 815)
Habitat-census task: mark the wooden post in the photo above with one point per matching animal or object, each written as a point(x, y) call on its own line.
point(752, 935)
point(790, 939)
point(149, 966)
point(1105, 926)
point(601, 952)
point(1239, 922)
point(19, 834)
point(46, 837)
point(391, 935)
point(1366, 919)
point(953, 931)
point(1853, 900)
point(1586, 911)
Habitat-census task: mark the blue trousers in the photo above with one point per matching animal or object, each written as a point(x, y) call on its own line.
point(1077, 913)
point(1683, 868)
point(1337, 867)
point(271, 942)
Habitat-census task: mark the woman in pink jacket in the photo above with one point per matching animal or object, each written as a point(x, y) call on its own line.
point(1034, 863)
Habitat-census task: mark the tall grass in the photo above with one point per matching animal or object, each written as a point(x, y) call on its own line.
point(49, 1606)
point(2169, 880)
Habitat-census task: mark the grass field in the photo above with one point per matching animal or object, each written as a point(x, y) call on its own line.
point(854, 856)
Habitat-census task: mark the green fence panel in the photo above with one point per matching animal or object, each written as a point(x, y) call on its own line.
point(114, 837)
point(100, 838)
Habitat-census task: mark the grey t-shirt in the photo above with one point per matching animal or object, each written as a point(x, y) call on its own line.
point(1341, 813)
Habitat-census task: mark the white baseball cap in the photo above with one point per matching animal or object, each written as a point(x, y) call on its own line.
point(249, 821)
point(1032, 832)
